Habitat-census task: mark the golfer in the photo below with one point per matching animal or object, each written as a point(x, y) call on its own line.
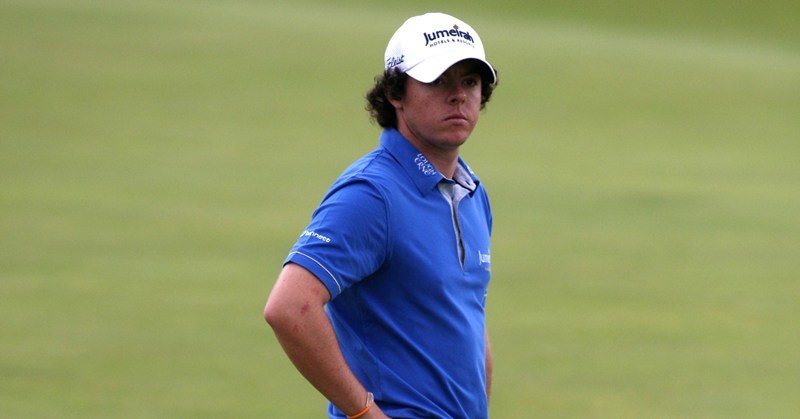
point(381, 302)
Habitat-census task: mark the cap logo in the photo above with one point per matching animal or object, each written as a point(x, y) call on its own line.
point(447, 35)
point(395, 61)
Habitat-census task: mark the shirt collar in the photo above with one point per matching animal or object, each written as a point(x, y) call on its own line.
point(416, 165)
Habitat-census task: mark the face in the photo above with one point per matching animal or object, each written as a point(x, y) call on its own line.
point(438, 117)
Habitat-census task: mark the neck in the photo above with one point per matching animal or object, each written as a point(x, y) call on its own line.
point(445, 160)
point(446, 166)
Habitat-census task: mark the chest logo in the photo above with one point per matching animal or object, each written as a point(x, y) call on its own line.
point(485, 260)
point(424, 165)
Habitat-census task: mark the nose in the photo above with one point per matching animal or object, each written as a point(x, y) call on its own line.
point(458, 94)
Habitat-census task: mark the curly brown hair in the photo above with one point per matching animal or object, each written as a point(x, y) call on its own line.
point(393, 83)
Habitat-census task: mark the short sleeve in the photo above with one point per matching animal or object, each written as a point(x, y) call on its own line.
point(346, 239)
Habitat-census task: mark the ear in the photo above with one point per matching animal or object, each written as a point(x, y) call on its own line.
point(397, 103)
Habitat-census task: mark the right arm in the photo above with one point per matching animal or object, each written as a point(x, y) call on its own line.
point(295, 310)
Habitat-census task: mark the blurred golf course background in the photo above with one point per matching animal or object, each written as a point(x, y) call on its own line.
point(158, 160)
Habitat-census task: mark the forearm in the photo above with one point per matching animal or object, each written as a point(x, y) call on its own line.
point(296, 312)
point(311, 345)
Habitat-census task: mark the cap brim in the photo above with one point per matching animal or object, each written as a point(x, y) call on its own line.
point(433, 67)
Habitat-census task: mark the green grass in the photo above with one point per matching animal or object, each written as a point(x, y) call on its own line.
point(158, 159)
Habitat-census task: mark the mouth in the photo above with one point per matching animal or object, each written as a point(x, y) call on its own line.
point(457, 118)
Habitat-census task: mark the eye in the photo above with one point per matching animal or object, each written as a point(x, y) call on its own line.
point(473, 81)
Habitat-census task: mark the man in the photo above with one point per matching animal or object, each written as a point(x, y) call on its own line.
point(380, 303)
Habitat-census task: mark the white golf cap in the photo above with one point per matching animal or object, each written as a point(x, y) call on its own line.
point(425, 46)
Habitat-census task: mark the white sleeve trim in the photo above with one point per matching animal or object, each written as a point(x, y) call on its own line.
point(338, 285)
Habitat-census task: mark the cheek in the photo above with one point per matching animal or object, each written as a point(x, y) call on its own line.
point(476, 95)
point(475, 102)
point(420, 101)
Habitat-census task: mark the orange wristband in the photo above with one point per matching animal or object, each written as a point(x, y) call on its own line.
point(370, 399)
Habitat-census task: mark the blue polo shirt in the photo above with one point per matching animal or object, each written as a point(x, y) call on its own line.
point(408, 273)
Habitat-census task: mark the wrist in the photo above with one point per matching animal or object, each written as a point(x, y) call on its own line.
point(367, 406)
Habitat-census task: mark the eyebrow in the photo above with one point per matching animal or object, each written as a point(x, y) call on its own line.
point(472, 70)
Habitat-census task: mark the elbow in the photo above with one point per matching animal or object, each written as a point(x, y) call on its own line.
point(297, 298)
point(273, 313)
point(280, 314)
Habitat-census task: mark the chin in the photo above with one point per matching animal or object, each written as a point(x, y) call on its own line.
point(458, 138)
point(453, 143)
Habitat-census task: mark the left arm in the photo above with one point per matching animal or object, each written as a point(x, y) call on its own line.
point(488, 366)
